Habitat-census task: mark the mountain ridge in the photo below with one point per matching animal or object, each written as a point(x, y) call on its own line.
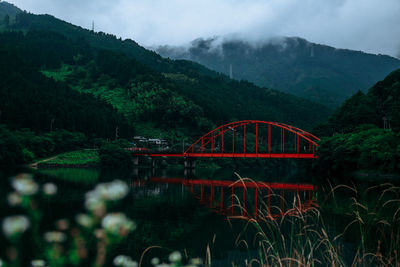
point(317, 72)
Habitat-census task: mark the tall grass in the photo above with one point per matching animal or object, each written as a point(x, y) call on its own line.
point(370, 235)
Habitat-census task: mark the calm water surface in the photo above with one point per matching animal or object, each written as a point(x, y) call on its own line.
point(178, 210)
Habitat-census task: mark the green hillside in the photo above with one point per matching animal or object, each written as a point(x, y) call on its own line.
point(157, 95)
point(317, 72)
point(30, 100)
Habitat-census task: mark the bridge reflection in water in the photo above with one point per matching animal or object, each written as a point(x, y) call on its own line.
point(247, 199)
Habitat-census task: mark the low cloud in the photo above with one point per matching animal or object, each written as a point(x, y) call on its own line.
point(367, 25)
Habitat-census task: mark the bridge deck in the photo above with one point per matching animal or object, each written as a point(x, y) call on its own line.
point(227, 155)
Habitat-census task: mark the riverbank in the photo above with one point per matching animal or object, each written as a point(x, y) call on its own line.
point(85, 158)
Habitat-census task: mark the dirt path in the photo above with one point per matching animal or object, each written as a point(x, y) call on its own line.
point(35, 164)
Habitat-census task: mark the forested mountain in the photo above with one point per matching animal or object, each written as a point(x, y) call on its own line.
point(317, 72)
point(7, 9)
point(380, 107)
point(30, 100)
point(145, 88)
point(364, 133)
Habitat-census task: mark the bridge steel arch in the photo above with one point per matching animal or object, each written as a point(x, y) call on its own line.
point(216, 143)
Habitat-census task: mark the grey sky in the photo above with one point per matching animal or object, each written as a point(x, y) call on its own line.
point(367, 25)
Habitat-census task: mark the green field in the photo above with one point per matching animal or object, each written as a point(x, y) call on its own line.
point(80, 157)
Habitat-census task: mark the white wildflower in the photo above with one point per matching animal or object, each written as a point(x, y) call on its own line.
point(38, 263)
point(93, 200)
point(84, 220)
point(125, 261)
point(24, 184)
point(114, 190)
point(117, 223)
point(55, 237)
point(196, 261)
point(50, 189)
point(130, 263)
point(62, 224)
point(15, 225)
point(155, 261)
point(175, 256)
point(119, 260)
point(14, 199)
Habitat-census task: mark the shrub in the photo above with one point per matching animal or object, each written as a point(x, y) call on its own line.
point(113, 155)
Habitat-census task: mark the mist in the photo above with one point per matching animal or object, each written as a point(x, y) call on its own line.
point(368, 25)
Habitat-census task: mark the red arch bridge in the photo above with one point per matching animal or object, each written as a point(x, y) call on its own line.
point(246, 139)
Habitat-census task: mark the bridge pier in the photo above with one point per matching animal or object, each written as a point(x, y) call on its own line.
point(135, 161)
point(189, 163)
point(189, 173)
point(153, 163)
point(135, 172)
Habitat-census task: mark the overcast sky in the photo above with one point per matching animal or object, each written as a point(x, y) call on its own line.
point(367, 25)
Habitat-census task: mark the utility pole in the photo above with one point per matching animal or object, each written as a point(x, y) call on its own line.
point(92, 25)
point(51, 124)
point(230, 71)
point(116, 132)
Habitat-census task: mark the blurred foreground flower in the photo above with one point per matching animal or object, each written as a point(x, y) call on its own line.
point(114, 190)
point(196, 261)
point(14, 226)
point(118, 224)
point(38, 263)
point(14, 199)
point(24, 184)
point(95, 200)
point(175, 257)
point(62, 224)
point(50, 189)
point(55, 237)
point(155, 261)
point(124, 261)
point(84, 220)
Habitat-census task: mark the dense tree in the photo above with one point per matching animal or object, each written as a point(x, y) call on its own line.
point(113, 155)
point(30, 100)
point(364, 132)
point(365, 148)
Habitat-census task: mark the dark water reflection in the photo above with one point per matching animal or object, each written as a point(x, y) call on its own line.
point(176, 209)
point(179, 210)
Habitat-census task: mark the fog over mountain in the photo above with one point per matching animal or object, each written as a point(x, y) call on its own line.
point(367, 25)
point(317, 72)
